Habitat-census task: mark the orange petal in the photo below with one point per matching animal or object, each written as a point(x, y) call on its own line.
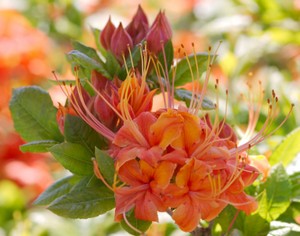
point(126, 198)
point(127, 154)
point(184, 174)
point(178, 156)
point(167, 128)
point(243, 202)
point(146, 169)
point(191, 129)
point(145, 208)
point(152, 156)
point(131, 174)
point(187, 215)
point(164, 173)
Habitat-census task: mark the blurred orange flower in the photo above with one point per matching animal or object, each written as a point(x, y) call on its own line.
point(22, 62)
point(23, 53)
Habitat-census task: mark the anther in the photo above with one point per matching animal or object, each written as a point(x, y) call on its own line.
point(273, 93)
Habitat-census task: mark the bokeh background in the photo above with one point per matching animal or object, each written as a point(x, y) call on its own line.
point(259, 41)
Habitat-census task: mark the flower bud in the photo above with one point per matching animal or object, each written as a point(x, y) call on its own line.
point(138, 27)
point(104, 112)
point(106, 34)
point(159, 33)
point(106, 93)
point(120, 42)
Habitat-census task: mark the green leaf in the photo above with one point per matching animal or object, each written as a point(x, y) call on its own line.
point(106, 165)
point(291, 214)
point(141, 225)
point(97, 33)
point(136, 57)
point(186, 96)
point(186, 69)
point(276, 196)
point(90, 52)
point(78, 58)
point(111, 65)
point(287, 150)
point(74, 157)
point(34, 115)
point(295, 181)
point(168, 57)
point(84, 200)
point(225, 218)
point(77, 131)
point(56, 190)
point(38, 146)
point(255, 225)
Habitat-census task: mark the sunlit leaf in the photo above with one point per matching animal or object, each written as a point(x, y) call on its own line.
point(276, 196)
point(255, 225)
point(295, 181)
point(287, 149)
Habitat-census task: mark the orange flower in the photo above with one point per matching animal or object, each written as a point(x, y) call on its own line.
point(176, 159)
point(143, 187)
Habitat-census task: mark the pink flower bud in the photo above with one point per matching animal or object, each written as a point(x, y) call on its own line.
point(159, 33)
point(104, 112)
point(105, 98)
point(138, 27)
point(120, 42)
point(106, 34)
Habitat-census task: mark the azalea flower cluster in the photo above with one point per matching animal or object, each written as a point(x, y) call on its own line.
point(177, 159)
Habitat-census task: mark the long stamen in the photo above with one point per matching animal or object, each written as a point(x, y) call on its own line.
point(166, 76)
point(89, 118)
point(210, 62)
point(157, 66)
point(99, 175)
point(85, 114)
